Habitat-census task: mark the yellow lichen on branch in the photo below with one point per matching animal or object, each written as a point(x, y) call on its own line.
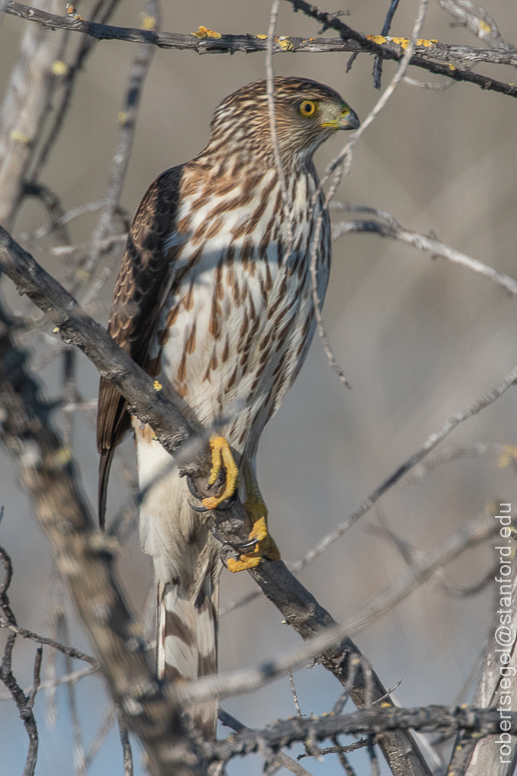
point(204, 32)
point(285, 43)
point(402, 42)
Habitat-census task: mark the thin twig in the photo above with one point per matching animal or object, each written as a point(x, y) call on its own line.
point(127, 119)
point(295, 694)
point(66, 218)
point(287, 762)
point(337, 748)
point(70, 651)
point(340, 166)
point(430, 443)
point(23, 702)
point(429, 245)
point(272, 123)
point(506, 454)
point(73, 70)
point(377, 66)
point(100, 736)
point(126, 744)
point(236, 682)
point(367, 721)
point(77, 735)
point(48, 684)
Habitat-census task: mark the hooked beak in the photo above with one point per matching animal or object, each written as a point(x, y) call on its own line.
point(348, 119)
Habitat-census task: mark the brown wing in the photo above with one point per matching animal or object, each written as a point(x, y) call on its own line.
point(137, 300)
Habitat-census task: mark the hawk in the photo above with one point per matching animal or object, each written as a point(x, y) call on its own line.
point(214, 300)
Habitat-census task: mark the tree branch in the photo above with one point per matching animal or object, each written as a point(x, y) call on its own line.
point(206, 43)
point(85, 560)
point(394, 231)
point(296, 603)
point(376, 721)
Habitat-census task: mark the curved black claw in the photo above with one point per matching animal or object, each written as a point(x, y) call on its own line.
point(197, 509)
point(222, 507)
point(226, 504)
point(238, 546)
point(194, 492)
point(192, 488)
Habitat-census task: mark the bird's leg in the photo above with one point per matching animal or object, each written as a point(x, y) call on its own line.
point(221, 456)
point(257, 510)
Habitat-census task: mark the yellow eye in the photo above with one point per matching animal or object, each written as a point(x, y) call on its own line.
point(307, 107)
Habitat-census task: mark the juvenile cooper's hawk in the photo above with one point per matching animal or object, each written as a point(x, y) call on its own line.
point(214, 300)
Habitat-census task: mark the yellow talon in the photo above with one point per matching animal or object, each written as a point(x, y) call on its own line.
point(257, 510)
point(221, 456)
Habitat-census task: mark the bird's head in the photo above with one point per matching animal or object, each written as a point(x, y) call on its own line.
point(307, 113)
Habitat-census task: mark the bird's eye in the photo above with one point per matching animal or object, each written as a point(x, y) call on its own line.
point(307, 108)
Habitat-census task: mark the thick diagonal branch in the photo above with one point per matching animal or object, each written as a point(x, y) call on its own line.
point(297, 605)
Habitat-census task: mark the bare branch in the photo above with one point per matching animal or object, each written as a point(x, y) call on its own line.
point(477, 21)
point(428, 244)
point(103, 10)
point(297, 605)
point(283, 759)
point(24, 110)
point(272, 122)
point(350, 40)
point(127, 119)
point(100, 736)
point(377, 67)
point(341, 165)
point(382, 47)
point(232, 683)
point(52, 683)
point(24, 703)
point(84, 559)
point(430, 443)
point(505, 453)
point(70, 651)
point(126, 744)
point(482, 722)
point(472, 757)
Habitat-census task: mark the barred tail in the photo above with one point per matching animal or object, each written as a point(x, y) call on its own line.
point(187, 642)
point(187, 567)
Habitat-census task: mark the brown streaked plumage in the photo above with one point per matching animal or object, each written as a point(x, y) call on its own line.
point(214, 301)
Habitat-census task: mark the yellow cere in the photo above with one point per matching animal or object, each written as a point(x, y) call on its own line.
point(204, 32)
point(59, 68)
point(157, 386)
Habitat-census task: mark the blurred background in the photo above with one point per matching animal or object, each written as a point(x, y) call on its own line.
point(418, 339)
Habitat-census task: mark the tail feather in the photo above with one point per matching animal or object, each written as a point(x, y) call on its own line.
point(187, 644)
point(187, 567)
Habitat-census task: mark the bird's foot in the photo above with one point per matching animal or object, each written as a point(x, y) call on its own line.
point(221, 456)
point(264, 543)
point(265, 546)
